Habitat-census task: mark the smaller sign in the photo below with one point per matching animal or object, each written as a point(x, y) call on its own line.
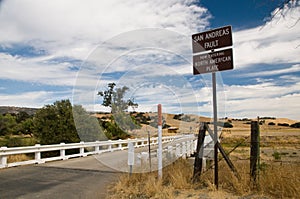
point(213, 39)
point(130, 154)
point(213, 62)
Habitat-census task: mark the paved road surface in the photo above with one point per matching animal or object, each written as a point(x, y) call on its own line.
point(75, 178)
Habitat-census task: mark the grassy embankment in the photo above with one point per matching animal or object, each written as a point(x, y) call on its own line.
point(279, 173)
point(276, 181)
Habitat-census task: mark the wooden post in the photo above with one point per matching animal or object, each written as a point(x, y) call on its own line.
point(149, 150)
point(199, 153)
point(254, 153)
point(228, 161)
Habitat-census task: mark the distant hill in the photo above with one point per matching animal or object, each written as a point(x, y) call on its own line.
point(16, 110)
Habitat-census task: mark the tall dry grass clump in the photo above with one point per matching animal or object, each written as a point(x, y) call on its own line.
point(17, 158)
point(281, 181)
point(147, 185)
point(275, 181)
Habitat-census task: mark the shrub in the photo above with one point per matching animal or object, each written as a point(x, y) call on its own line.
point(283, 124)
point(228, 125)
point(276, 155)
point(271, 124)
point(178, 116)
point(296, 125)
point(54, 124)
point(270, 118)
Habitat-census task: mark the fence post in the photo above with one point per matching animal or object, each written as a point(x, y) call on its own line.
point(199, 152)
point(254, 153)
point(3, 158)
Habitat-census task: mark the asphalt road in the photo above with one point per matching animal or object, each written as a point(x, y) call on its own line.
point(78, 178)
point(75, 178)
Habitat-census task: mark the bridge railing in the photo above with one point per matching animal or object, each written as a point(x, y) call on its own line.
point(83, 149)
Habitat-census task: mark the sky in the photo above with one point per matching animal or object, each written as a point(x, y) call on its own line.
point(71, 49)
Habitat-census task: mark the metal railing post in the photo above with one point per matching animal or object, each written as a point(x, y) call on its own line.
point(183, 150)
point(3, 158)
point(37, 154)
point(97, 148)
point(120, 145)
point(81, 150)
point(62, 152)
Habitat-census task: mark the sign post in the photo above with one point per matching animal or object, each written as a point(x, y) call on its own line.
point(215, 110)
point(213, 62)
point(159, 150)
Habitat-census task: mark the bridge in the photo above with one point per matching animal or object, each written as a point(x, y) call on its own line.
point(87, 172)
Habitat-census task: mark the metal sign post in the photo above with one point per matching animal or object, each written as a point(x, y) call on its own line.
point(215, 110)
point(213, 62)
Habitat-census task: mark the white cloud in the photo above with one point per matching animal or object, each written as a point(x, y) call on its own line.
point(264, 99)
point(293, 69)
point(286, 106)
point(262, 90)
point(32, 99)
point(72, 28)
point(276, 42)
point(36, 70)
point(77, 23)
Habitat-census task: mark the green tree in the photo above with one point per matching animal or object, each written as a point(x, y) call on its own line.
point(120, 122)
point(87, 126)
point(114, 98)
point(107, 95)
point(22, 116)
point(54, 124)
point(113, 130)
point(8, 124)
point(26, 127)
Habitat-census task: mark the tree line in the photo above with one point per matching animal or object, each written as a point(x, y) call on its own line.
point(63, 122)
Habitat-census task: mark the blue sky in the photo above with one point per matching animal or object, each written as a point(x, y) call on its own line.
point(240, 14)
point(53, 50)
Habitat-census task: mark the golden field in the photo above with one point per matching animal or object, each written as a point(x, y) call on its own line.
point(279, 174)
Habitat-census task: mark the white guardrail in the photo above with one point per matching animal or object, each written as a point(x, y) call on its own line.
point(186, 147)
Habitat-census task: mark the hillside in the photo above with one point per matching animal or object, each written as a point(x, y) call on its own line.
point(190, 124)
point(16, 110)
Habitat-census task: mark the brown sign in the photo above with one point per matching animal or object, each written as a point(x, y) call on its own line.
point(213, 62)
point(213, 39)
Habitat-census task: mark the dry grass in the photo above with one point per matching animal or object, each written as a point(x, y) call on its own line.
point(276, 181)
point(281, 181)
point(17, 158)
point(147, 185)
